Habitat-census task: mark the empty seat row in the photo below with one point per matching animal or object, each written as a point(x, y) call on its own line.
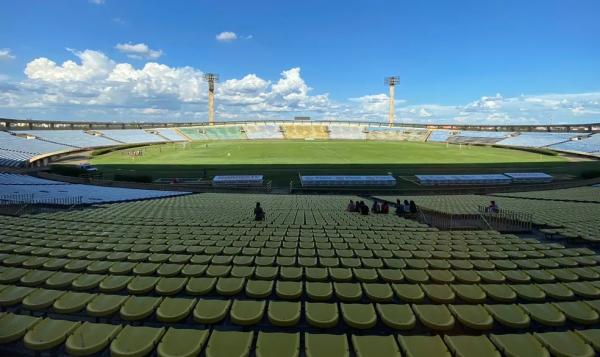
point(88, 338)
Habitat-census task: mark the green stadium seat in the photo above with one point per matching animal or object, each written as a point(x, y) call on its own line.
point(319, 291)
point(578, 312)
point(321, 315)
point(11, 275)
point(565, 344)
point(211, 311)
point(41, 299)
point(114, 283)
point(276, 344)
point(284, 313)
point(182, 342)
point(378, 292)
point(141, 285)
point(192, 270)
point(396, 316)
point(48, 334)
point(391, 275)
point(439, 293)
point(229, 344)
point(348, 292)
point(471, 346)
point(136, 341)
point(557, 291)
point(247, 312)
point(325, 345)
point(529, 292)
point(499, 292)
point(14, 327)
point(340, 274)
point(91, 338)
point(60, 280)
point(473, 316)
point(545, 314)
point(174, 309)
point(105, 305)
point(39, 277)
point(291, 273)
point(492, 276)
point(469, 293)
point(72, 302)
point(441, 276)
point(510, 315)
point(218, 271)
point(316, 274)
point(415, 275)
point(87, 281)
point(170, 286)
point(366, 275)
point(375, 346)
point(591, 337)
point(435, 317)
point(230, 286)
point(466, 276)
point(138, 307)
point(360, 316)
point(423, 346)
point(259, 288)
point(409, 293)
point(200, 286)
point(241, 271)
point(584, 289)
point(519, 345)
point(289, 290)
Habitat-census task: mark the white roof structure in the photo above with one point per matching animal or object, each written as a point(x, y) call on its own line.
point(350, 180)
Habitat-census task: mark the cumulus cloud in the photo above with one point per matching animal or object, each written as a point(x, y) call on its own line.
point(97, 2)
point(5, 54)
point(92, 86)
point(138, 51)
point(226, 36)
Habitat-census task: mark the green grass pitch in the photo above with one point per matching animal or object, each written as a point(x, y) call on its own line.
point(318, 152)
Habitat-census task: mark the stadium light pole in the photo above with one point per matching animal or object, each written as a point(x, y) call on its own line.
point(211, 78)
point(391, 82)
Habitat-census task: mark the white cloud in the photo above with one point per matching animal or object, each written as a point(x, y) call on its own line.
point(226, 36)
point(138, 51)
point(93, 86)
point(5, 54)
point(97, 2)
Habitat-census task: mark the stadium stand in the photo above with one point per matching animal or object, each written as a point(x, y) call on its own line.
point(170, 134)
point(485, 179)
point(35, 190)
point(439, 135)
point(226, 132)
point(586, 145)
point(132, 136)
point(529, 177)
point(74, 138)
point(396, 133)
point(29, 145)
point(194, 275)
point(349, 180)
point(304, 131)
point(353, 132)
point(263, 131)
point(194, 133)
point(477, 137)
point(536, 139)
point(14, 159)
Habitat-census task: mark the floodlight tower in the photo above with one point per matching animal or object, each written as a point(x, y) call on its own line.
point(391, 82)
point(211, 78)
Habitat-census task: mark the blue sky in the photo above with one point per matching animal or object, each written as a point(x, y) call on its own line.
point(496, 61)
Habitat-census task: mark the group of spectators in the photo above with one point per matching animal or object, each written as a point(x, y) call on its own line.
point(376, 208)
point(359, 207)
point(406, 208)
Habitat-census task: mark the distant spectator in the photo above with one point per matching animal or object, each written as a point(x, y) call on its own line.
point(399, 208)
point(385, 208)
point(413, 207)
point(259, 213)
point(406, 206)
point(364, 209)
point(351, 207)
point(358, 207)
point(375, 208)
point(493, 207)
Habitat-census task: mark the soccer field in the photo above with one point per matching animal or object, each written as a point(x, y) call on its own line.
point(318, 152)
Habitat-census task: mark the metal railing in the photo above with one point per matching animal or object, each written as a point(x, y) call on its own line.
point(502, 221)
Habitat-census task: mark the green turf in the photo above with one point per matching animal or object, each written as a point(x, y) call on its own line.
point(319, 152)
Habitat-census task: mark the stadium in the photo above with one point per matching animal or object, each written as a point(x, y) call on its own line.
point(170, 214)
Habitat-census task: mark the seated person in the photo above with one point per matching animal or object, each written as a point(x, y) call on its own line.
point(413, 207)
point(493, 207)
point(259, 213)
point(375, 208)
point(364, 209)
point(351, 207)
point(385, 208)
point(399, 208)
